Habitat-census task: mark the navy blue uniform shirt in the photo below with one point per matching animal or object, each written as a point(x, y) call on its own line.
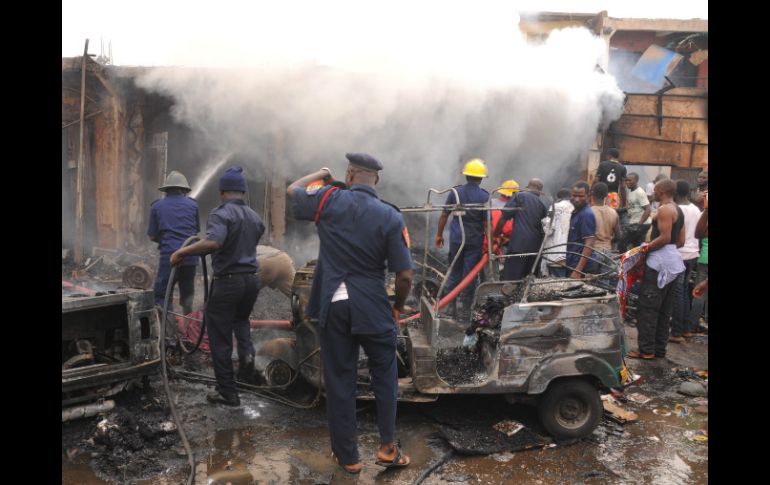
point(237, 229)
point(582, 224)
point(173, 219)
point(358, 234)
point(527, 226)
point(473, 220)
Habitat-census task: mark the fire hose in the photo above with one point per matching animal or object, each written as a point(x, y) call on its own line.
point(457, 289)
point(263, 391)
point(161, 317)
point(82, 289)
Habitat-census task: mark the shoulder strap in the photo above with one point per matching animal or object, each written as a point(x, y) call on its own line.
point(321, 205)
point(392, 205)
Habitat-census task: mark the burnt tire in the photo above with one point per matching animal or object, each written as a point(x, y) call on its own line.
point(570, 409)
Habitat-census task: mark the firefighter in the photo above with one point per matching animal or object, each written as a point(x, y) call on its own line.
point(528, 235)
point(173, 219)
point(360, 237)
point(233, 231)
point(473, 223)
point(506, 191)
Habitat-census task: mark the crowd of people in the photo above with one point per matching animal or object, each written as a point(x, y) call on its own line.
point(584, 231)
point(362, 237)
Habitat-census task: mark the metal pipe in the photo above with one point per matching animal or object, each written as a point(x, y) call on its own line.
point(78, 256)
point(459, 250)
point(528, 280)
point(457, 289)
point(427, 208)
point(87, 410)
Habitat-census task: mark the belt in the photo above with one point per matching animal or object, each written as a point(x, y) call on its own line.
point(230, 275)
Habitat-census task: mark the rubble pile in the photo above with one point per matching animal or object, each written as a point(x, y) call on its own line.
point(128, 445)
point(559, 290)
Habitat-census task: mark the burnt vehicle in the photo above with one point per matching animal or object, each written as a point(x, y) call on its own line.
point(109, 340)
point(555, 343)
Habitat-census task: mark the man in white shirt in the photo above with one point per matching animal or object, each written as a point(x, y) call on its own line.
point(690, 252)
point(553, 260)
point(650, 189)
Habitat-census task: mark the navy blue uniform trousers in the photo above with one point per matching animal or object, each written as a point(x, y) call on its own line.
point(227, 313)
point(465, 263)
point(184, 278)
point(518, 267)
point(339, 354)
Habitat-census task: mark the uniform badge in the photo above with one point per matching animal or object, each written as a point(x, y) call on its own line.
point(405, 233)
point(314, 187)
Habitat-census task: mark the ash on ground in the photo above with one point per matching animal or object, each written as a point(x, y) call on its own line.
point(458, 366)
point(135, 441)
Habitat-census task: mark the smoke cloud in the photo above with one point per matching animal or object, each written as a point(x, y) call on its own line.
point(423, 95)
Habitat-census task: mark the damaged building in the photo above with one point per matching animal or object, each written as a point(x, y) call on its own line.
point(129, 141)
point(662, 67)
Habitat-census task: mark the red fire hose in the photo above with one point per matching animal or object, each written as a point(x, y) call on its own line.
point(281, 324)
point(82, 289)
point(459, 288)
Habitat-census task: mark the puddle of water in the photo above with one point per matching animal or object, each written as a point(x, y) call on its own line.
point(289, 446)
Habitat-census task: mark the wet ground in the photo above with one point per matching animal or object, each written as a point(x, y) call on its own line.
point(266, 442)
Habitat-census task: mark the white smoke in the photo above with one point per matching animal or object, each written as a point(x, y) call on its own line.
point(420, 89)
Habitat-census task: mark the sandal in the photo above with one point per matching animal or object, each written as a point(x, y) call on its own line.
point(353, 469)
point(675, 339)
point(633, 354)
point(399, 461)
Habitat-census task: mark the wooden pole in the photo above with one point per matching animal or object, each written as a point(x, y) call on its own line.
point(692, 147)
point(78, 256)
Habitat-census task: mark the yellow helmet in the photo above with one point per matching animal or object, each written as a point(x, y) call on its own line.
point(509, 187)
point(475, 168)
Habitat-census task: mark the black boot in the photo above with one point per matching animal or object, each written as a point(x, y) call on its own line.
point(246, 369)
point(229, 400)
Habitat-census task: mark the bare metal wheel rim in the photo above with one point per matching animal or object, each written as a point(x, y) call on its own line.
point(572, 413)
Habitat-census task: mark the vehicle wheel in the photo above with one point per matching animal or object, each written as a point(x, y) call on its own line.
point(570, 409)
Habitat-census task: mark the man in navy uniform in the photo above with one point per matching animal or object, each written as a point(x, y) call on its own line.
point(173, 219)
point(473, 223)
point(527, 230)
point(233, 231)
point(359, 233)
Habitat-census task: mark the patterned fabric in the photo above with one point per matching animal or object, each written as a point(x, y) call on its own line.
point(613, 200)
point(631, 270)
point(190, 330)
